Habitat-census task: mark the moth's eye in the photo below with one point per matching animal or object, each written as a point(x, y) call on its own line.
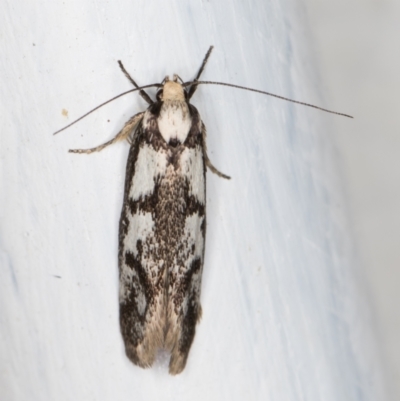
point(159, 95)
point(175, 78)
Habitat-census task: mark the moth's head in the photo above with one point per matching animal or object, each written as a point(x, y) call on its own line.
point(172, 90)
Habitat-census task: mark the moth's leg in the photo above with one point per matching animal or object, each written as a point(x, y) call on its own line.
point(206, 159)
point(203, 64)
point(123, 134)
point(142, 93)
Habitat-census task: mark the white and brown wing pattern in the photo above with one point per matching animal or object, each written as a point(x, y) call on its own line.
point(162, 232)
point(163, 224)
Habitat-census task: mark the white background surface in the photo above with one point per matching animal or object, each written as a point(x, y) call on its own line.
point(357, 45)
point(282, 319)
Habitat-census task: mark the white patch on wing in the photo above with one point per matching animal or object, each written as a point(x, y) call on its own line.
point(141, 225)
point(149, 165)
point(192, 235)
point(174, 121)
point(141, 303)
point(192, 232)
point(192, 167)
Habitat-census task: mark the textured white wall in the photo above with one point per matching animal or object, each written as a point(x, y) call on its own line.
point(283, 319)
point(357, 46)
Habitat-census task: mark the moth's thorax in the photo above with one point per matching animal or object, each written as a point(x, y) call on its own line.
point(174, 120)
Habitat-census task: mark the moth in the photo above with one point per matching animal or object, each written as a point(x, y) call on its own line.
point(162, 227)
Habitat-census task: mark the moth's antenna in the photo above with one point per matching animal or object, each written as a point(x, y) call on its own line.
point(103, 104)
point(203, 64)
point(265, 93)
point(142, 93)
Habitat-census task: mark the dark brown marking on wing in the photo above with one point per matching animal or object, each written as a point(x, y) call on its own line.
point(129, 310)
point(193, 309)
point(193, 140)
